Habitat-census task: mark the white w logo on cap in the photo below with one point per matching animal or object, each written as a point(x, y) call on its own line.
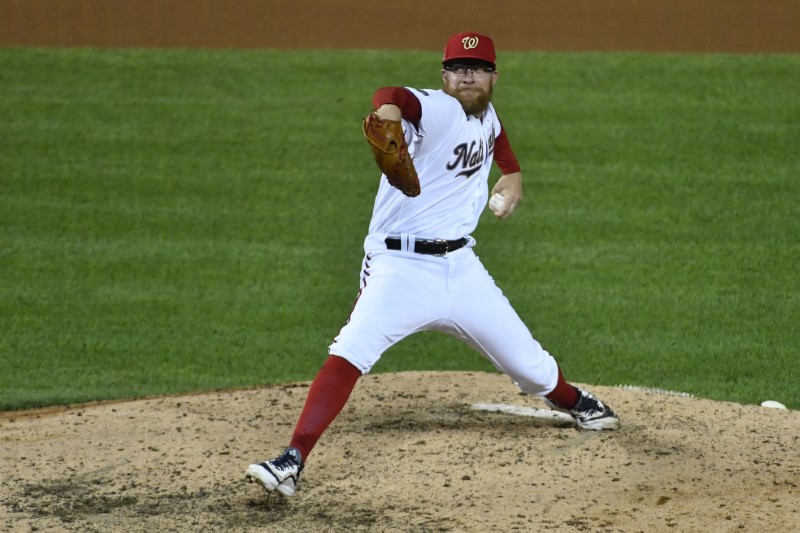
point(470, 42)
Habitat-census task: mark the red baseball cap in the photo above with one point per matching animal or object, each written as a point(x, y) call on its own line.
point(469, 45)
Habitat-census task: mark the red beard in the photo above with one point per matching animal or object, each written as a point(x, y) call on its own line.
point(473, 100)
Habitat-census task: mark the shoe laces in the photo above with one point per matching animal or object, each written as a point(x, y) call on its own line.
point(588, 406)
point(287, 461)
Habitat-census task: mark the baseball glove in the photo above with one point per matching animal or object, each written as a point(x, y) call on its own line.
point(391, 153)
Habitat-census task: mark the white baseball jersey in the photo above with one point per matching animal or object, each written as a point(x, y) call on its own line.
point(403, 292)
point(453, 154)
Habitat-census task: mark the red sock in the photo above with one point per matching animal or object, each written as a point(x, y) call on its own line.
point(327, 396)
point(564, 395)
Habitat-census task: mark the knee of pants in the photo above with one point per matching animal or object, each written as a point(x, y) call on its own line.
point(536, 380)
point(364, 364)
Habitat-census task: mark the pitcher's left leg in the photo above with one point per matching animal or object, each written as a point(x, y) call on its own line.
point(483, 317)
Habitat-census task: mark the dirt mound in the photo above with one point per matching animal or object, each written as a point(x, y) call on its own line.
point(410, 452)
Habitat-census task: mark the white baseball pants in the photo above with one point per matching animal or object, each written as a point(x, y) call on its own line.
point(405, 292)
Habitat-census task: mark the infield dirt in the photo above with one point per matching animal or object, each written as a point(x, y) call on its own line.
point(408, 453)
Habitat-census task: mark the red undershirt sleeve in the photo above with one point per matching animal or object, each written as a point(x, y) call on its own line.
point(410, 108)
point(504, 155)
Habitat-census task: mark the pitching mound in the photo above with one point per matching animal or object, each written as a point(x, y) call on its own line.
point(411, 452)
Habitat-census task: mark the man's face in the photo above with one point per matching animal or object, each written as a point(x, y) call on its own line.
point(472, 86)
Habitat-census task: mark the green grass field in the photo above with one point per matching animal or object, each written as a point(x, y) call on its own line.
point(186, 220)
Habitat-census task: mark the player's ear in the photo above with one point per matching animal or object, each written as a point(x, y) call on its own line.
point(444, 73)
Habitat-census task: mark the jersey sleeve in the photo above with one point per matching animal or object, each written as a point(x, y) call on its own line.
point(410, 108)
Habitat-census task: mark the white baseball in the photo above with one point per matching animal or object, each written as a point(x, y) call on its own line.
point(773, 404)
point(496, 202)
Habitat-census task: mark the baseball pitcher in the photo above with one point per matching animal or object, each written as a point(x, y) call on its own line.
point(434, 149)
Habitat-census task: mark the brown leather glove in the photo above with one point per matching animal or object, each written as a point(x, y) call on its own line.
point(391, 153)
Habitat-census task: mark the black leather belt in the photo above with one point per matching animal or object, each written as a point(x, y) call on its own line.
point(429, 246)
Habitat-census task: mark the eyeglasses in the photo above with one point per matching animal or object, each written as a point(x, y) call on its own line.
point(461, 70)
